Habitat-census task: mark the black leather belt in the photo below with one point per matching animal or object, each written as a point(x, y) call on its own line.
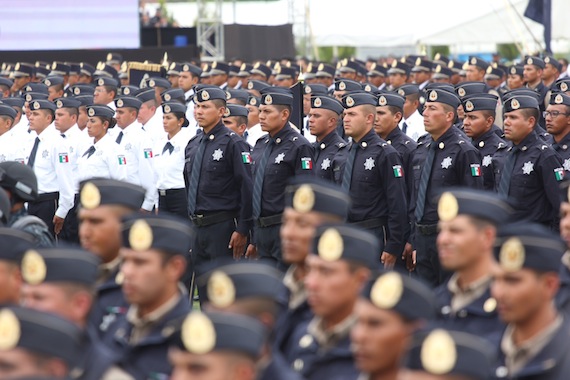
point(203, 220)
point(165, 192)
point(268, 221)
point(47, 197)
point(370, 223)
point(426, 229)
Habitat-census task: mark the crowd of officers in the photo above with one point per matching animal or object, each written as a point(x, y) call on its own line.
point(414, 226)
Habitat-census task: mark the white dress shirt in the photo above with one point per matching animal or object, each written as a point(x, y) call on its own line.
point(415, 124)
point(170, 166)
point(254, 133)
point(108, 161)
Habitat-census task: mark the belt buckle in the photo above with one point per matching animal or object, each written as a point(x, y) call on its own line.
point(162, 192)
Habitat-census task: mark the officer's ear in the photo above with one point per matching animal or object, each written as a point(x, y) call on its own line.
point(174, 267)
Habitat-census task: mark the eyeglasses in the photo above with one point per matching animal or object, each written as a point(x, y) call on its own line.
point(554, 114)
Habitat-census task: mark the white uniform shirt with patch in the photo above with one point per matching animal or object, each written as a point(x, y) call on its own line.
point(108, 161)
point(170, 166)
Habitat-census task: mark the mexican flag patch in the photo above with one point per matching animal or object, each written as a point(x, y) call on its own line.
point(63, 158)
point(306, 163)
point(246, 157)
point(476, 170)
point(148, 153)
point(398, 172)
point(559, 174)
point(122, 160)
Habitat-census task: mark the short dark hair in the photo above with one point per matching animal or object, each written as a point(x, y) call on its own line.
point(219, 103)
point(489, 113)
point(530, 112)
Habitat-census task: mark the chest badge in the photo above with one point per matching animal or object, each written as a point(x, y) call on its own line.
point(369, 164)
point(528, 168)
point(217, 155)
point(487, 160)
point(446, 163)
point(325, 164)
point(280, 157)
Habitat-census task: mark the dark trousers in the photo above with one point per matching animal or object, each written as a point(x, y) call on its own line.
point(428, 268)
point(173, 201)
point(44, 208)
point(70, 230)
point(268, 244)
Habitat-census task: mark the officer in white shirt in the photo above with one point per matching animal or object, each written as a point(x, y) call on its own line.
point(7, 117)
point(138, 148)
point(104, 158)
point(105, 91)
point(188, 78)
point(14, 143)
point(412, 124)
point(169, 160)
point(253, 131)
point(150, 114)
point(49, 156)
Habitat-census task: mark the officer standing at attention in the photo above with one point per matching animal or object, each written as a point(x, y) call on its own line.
point(154, 259)
point(15, 243)
point(105, 91)
point(188, 78)
point(280, 155)
point(441, 160)
point(557, 117)
point(532, 170)
point(536, 342)
point(218, 181)
point(532, 75)
point(478, 125)
point(374, 177)
point(468, 222)
point(563, 296)
point(324, 116)
point(50, 158)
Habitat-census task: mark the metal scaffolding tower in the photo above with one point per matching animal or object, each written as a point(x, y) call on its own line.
point(210, 30)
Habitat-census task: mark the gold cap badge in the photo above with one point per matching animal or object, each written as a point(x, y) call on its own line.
point(126, 91)
point(349, 101)
point(167, 97)
point(387, 290)
point(249, 85)
point(227, 112)
point(198, 333)
point(167, 109)
point(268, 100)
point(461, 92)
point(321, 67)
point(101, 82)
point(9, 330)
point(433, 96)
point(330, 246)
point(529, 61)
point(120, 103)
point(252, 102)
point(447, 208)
point(490, 305)
point(47, 82)
point(402, 92)
point(342, 86)
point(76, 91)
point(205, 95)
point(564, 86)
point(317, 102)
point(438, 353)
point(304, 199)
point(221, 290)
point(515, 104)
point(512, 255)
point(469, 106)
point(559, 99)
point(91, 112)
point(33, 268)
point(473, 61)
point(36, 105)
point(418, 61)
point(394, 63)
point(438, 69)
point(140, 235)
point(382, 100)
point(513, 70)
point(90, 196)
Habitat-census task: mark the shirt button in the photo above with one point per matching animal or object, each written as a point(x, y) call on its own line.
point(501, 372)
point(462, 313)
point(445, 310)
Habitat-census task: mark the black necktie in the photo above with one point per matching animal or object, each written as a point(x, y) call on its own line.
point(89, 152)
point(404, 127)
point(32, 157)
point(258, 180)
point(195, 176)
point(168, 147)
point(62, 135)
point(119, 138)
point(505, 181)
point(245, 135)
point(347, 174)
point(424, 180)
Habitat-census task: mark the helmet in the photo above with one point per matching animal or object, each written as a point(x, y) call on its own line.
point(19, 179)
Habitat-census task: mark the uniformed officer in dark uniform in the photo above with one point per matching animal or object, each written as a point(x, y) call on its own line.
point(217, 345)
point(103, 202)
point(14, 244)
point(391, 308)
point(338, 268)
point(324, 116)
point(441, 160)
point(557, 118)
point(532, 170)
point(373, 174)
point(154, 259)
point(532, 75)
point(278, 156)
point(563, 296)
point(468, 221)
point(478, 124)
point(218, 181)
point(536, 342)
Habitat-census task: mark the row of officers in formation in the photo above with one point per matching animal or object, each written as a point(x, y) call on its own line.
point(225, 161)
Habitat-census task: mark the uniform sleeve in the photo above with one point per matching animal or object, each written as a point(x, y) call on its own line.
point(305, 159)
point(146, 174)
point(243, 176)
point(552, 173)
point(395, 190)
point(61, 160)
point(468, 169)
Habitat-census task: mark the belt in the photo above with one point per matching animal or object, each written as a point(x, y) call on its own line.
point(202, 220)
point(268, 221)
point(370, 223)
point(47, 197)
point(426, 229)
point(165, 192)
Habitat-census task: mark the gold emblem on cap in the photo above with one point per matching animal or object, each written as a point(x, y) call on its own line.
point(198, 333)
point(268, 100)
point(469, 106)
point(547, 60)
point(473, 61)
point(167, 97)
point(186, 68)
point(515, 104)
point(349, 101)
point(489, 69)
point(321, 67)
point(304, 199)
point(342, 86)
point(433, 96)
point(418, 61)
point(382, 100)
point(120, 103)
point(529, 61)
point(120, 278)
point(59, 104)
point(250, 85)
point(402, 92)
point(447, 207)
point(126, 91)
point(461, 92)
point(17, 67)
point(564, 86)
point(167, 108)
point(513, 70)
point(77, 91)
point(91, 112)
point(438, 69)
point(109, 57)
point(221, 290)
point(394, 63)
point(367, 88)
point(101, 82)
point(9, 330)
point(140, 235)
point(308, 89)
point(33, 268)
point(559, 99)
point(330, 246)
point(151, 83)
point(227, 112)
point(36, 105)
point(438, 353)
point(252, 102)
point(28, 97)
point(512, 254)
point(490, 305)
point(387, 290)
point(90, 196)
point(317, 102)
point(47, 82)
point(205, 95)
point(437, 56)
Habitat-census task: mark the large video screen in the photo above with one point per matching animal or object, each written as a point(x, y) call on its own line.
point(68, 24)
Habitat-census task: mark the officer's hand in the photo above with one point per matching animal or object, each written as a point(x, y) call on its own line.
point(411, 261)
point(251, 252)
point(237, 243)
point(388, 260)
point(57, 224)
point(407, 257)
point(143, 211)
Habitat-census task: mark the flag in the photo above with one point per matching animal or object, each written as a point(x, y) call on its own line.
point(306, 163)
point(476, 170)
point(63, 158)
point(559, 174)
point(398, 172)
point(541, 12)
point(246, 157)
point(148, 153)
point(122, 160)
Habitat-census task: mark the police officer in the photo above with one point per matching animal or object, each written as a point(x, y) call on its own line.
point(21, 185)
point(140, 338)
point(15, 243)
point(218, 181)
point(282, 154)
point(532, 74)
point(390, 308)
point(253, 131)
point(169, 160)
point(105, 91)
point(324, 116)
point(478, 125)
point(150, 114)
point(535, 344)
point(441, 160)
point(9, 145)
point(468, 221)
point(398, 74)
point(515, 79)
point(338, 268)
point(563, 296)
point(50, 157)
point(103, 202)
point(412, 123)
point(532, 170)
point(217, 346)
point(373, 174)
point(235, 118)
point(557, 117)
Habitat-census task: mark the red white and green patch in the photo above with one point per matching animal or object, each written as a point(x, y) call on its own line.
point(246, 157)
point(398, 171)
point(476, 170)
point(148, 153)
point(559, 174)
point(122, 160)
point(63, 158)
point(306, 163)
